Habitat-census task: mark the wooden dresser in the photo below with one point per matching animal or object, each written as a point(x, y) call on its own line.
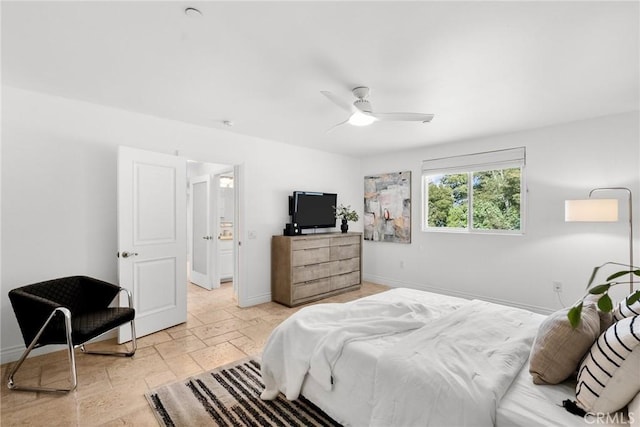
point(314, 266)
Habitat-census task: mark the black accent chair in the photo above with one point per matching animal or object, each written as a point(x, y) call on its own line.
point(69, 311)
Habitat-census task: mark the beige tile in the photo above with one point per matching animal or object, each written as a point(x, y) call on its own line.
point(153, 339)
point(136, 369)
point(112, 404)
point(191, 322)
point(57, 410)
point(13, 399)
point(222, 338)
point(212, 315)
point(249, 313)
point(248, 346)
point(274, 308)
point(85, 375)
point(137, 418)
point(140, 353)
point(258, 333)
point(274, 320)
point(160, 378)
point(181, 333)
point(179, 346)
point(183, 366)
point(24, 373)
point(219, 328)
point(211, 357)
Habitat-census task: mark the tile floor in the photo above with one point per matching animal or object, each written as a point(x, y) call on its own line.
point(111, 389)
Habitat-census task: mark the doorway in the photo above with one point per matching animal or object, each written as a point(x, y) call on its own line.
point(211, 225)
point(153, 234)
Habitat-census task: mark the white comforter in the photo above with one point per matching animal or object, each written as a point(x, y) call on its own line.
point(451, 370)
point(455, 370)
point(311, 341)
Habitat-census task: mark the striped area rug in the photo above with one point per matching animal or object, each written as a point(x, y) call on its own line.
point(230, 396)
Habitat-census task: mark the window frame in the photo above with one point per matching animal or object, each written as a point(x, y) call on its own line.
point(477, 162)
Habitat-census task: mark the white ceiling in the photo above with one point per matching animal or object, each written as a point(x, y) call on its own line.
point(482, 68)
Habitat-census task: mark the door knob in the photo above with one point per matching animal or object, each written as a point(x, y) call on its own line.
point(126, 254)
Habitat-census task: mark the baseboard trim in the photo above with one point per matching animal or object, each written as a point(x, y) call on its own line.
point(394, 283)
point(13, 353)
point(259, 299)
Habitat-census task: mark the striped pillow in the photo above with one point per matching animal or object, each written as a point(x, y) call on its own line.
point(608, 376)
point(624, 309)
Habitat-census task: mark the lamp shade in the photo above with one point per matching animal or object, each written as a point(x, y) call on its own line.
point(591, 210)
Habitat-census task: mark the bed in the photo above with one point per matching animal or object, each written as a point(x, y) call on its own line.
point(383, 371)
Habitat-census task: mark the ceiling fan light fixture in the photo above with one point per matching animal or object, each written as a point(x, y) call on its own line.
point(360, 119)
point(361, 113)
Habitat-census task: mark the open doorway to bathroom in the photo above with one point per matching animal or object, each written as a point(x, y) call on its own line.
point(210, 225)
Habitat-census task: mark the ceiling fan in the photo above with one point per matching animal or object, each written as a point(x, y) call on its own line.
point(362, 113)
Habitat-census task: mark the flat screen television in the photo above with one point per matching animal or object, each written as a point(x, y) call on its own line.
point(313, 209)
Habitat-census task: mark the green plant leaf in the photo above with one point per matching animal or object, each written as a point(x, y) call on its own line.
point(636, 272)
point(574, 315)
point(634, 297)
point(616, 275)
point(605, 304)
point(600, 289)
point(593, 276)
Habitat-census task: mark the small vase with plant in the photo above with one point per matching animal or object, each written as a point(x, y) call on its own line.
point(346, 214)
point(604, 301)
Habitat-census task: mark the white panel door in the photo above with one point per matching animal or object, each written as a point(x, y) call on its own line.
point(152, 235)
point(203, 238)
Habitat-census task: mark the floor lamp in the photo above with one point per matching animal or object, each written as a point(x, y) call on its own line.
point(601, 210)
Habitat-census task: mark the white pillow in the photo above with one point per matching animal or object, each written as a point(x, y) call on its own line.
point(623, 309)
point(608, 376)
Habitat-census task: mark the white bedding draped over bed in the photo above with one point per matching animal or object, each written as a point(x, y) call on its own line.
point(450, 363)
point(455, 370)
point(312, 340)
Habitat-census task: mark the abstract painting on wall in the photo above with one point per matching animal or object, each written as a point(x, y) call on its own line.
point(387, 207)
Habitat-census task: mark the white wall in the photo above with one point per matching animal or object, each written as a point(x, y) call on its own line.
point(59, 189)
point(563, 162)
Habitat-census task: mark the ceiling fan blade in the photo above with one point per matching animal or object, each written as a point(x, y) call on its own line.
point(404, 117)
point(335, 126)
point(339, 102)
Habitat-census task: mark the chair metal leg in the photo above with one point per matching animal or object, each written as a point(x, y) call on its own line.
point(133, 337)
point(73, 376)
point(117, 353)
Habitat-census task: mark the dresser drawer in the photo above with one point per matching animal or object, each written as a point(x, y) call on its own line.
point(305, 273)
point(314, 266)
point(310, 289)
point(345, 280)
point(345, 266)
point(346, 240)
point(310, 256)
point(310, 243)
point(345, 251)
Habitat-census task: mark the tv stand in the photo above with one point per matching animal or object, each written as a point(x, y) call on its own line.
point(309, 267)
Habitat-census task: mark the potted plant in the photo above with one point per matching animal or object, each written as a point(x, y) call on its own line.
point(345, 213)
point(604, 301)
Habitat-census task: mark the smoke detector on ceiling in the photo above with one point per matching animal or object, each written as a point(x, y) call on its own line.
point(192, 12)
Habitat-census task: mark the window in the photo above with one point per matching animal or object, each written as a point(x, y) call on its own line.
point(481, 192)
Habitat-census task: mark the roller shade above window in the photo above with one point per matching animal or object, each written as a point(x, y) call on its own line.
point(489, 160)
